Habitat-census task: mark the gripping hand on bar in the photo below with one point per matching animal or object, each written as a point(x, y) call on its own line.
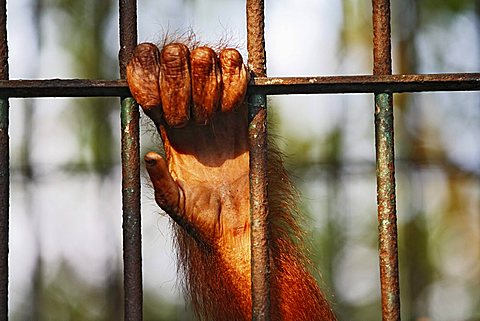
point(196, 98)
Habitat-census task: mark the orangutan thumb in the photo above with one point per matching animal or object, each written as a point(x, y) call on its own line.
point(167, 193)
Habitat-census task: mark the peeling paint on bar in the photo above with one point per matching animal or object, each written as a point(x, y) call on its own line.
point(385, 159)
point(365, 84)
point(387, 208)
point(258, 85)
point(257, 140)
point(130, 128)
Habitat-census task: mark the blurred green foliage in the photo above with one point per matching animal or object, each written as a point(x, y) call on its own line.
point(84, 33)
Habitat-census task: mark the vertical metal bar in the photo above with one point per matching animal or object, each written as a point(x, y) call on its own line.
point(132, 234)
point(257, 136)
point(385, 159)
point(4, 168)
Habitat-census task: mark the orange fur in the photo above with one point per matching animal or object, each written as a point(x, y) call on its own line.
point(204, 186)
point(218, 292)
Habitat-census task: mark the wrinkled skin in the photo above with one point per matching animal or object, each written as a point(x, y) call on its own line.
point(205, 141)
point(197, 101)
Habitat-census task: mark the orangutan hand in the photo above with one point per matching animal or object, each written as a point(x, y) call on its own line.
point(196, 100)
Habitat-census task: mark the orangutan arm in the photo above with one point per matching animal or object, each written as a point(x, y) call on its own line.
point(197, 101)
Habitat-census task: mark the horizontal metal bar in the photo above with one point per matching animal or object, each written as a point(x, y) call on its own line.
point(261, 85)
point(366, 84)
point(63, 88)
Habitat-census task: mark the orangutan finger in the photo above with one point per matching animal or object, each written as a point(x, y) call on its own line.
point(235, 79)
point(175, 84)
point(167, 193)
point(206, 84)
point(143, 71)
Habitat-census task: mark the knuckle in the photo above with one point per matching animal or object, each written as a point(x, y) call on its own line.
point(234, 77)
point(175, 84)
point(142, 75)
point(231, 58)
point(206, 84)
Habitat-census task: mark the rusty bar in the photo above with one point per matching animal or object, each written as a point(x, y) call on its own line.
point(257, 139)
point(385, 160)
point(365, 84)
point(4, 168)
point(258, 85)
point(132, 233)
point(382, 60)
point(63, 88)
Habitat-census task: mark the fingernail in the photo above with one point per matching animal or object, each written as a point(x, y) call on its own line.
point(150, 158)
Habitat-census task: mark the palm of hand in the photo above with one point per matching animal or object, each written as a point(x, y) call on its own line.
point(197, 102)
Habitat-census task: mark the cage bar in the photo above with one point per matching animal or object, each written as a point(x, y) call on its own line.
point(257, 140)
point(258, 85)
point(385, 160)
point(382, 83)
point(4, 167)
point(132, 234)
point(365, 84)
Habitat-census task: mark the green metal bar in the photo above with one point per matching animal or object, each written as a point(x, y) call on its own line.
point(385, 159)
point(132, 234)
point(386, 202)
point(260, 234)
point(130, 130)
